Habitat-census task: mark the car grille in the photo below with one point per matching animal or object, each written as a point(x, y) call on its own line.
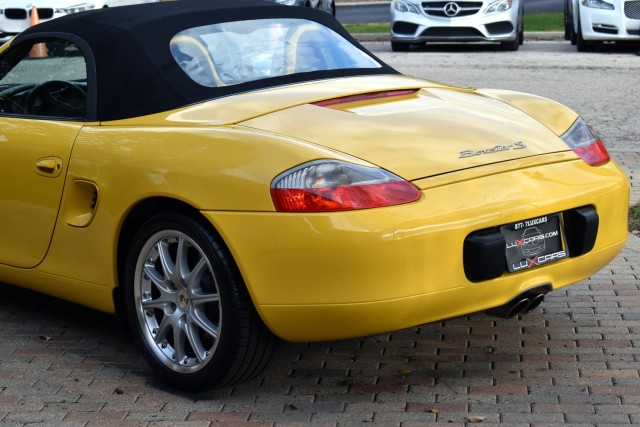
point(21, 14)
point(452, 32)
point(445, 8)
point(634, 32)
point(632, 9)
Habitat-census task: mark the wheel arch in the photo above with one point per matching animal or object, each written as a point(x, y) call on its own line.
point(256, 344)
point(134, 219)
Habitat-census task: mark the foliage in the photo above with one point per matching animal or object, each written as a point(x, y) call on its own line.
point(634, 219)
point(367, 28)
point(547, 21)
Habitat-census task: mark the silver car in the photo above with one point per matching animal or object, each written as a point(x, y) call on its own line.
point(421, 21)
point(328, 6)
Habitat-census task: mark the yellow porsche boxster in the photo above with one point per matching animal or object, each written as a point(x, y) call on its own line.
point(224, 174)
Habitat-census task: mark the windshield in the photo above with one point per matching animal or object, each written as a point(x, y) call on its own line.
point(237, 52)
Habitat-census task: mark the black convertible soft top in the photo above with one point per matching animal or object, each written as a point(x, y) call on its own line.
point(127, 49)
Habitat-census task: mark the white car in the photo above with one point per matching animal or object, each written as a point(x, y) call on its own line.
point(589, 22)
point(421, 21)
point(15, 16)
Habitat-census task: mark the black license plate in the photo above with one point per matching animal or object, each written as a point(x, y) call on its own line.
point(534, 242)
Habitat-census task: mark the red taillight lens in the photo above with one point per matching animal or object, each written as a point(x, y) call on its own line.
point(584, 142)
point(594, 154)
point(329, 185)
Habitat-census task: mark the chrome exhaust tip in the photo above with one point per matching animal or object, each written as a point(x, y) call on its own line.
point(534, 303)
point(524, 303)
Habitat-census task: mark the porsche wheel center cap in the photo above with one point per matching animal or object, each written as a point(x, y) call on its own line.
point(183, 299)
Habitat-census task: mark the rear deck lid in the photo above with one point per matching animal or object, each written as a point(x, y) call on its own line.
point(417, 133)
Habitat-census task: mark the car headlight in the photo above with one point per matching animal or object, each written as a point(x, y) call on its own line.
point(286, 2)
point(74, 9)
point(333, 185)
point(597, 4)
point(405, 6)
point(499, 6)
point(584, 142)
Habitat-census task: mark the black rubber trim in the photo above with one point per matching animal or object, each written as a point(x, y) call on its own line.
point(581, 229)
point(483, 255)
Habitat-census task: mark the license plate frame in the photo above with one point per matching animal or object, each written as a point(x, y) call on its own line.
point(534, 242)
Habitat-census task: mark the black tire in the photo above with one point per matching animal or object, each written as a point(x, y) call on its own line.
point(512, 45)
point(521, 27)
point(400, 47)
point(574, 35)
point(188, 308)
point(521, 37)
point(568, 24)
point(582, 44)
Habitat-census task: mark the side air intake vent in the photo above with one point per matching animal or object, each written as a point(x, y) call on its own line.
point(81, 203)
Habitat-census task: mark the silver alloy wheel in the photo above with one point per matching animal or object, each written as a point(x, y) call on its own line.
point(177, 301)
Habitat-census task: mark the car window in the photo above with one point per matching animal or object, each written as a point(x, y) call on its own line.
point(242, 51)
point(46, 79)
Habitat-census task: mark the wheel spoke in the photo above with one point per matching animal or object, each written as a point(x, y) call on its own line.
point(159, 281)
point(155, 304)
point(193, 278)
point(200, 299)
point(197, 292)
point(181, 266)
point(195, 342)
point(204, 323)
point(163, 330)
point(179, 341)
point(168, 266)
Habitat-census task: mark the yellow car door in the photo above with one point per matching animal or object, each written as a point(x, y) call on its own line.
point(33, 161)
point(43, 106)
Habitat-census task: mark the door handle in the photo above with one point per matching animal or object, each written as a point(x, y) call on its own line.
point(49, 166)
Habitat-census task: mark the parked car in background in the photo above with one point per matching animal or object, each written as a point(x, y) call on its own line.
point(328, 6)
point(15, 16)
point(421, 21)
point(590, 22)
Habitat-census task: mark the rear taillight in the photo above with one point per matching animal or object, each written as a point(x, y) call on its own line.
point(331, 185)
point(584, 142)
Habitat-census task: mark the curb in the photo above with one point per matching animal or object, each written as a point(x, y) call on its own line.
point(528, 36)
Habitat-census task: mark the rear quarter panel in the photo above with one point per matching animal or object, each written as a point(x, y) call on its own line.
point(220, 169)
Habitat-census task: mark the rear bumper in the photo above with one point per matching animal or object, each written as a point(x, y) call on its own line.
point(337, 321)
point(341, 275)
